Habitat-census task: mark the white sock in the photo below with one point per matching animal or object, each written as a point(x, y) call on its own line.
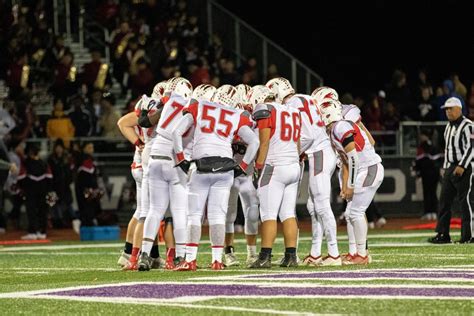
point(360, 231)
point(251, 251)
point(191, 252)
point(351, 236)
point(146, 246)
point(317, 236)
point(180, 250)
point(217, 253)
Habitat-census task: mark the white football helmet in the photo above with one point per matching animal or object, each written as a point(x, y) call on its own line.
point(321, 93)
point(331, 110)
point(180, 86)
point(259, 94)
point(203, 92)
point(281, 88)
point(242, 94)
point(226, 95)
point(159, 90)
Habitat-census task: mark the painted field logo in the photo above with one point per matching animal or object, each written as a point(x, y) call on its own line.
point(204, 291)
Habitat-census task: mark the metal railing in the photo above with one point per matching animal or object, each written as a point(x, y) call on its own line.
point(244, 41)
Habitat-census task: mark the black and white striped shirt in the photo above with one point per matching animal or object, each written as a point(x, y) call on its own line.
point(459, 138)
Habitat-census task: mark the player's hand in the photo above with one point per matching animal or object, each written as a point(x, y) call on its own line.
point(238, 171)
point(13, 168)
point(256, 176)
point(442, 171)
point(458, 171)
point(349, 193)
point(184, 165)
point(342, 194)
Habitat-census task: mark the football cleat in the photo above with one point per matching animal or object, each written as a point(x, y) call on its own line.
point(29, 237)
point(186, 266)
point(230, 259)
point(169, 264)
point(356, 260)
point(263, 261)
point(123, 259)
point(130, 266)
point(290, 260)
point(309, 260)
point(145, 262)
point(158, 263)
point(216, 265)
point(331, 261)
point(251, 258)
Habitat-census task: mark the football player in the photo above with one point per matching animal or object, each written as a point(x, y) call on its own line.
point(167, 184)
point(322, 163)
point(363, 174)
point(243, 188)
point(215, 124)
point(277, 172)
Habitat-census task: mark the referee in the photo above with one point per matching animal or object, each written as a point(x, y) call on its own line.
point(457, 178)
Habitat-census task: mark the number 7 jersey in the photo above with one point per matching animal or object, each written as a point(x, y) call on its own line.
point(215, 127)
point(285, 130)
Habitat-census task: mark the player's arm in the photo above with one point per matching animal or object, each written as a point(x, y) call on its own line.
point(352, 164)
point(362, 126)
point(264, 138)
point(183, 125)
point(248, 136)
point(345, 176)
point(149, 120)
point(127, 124)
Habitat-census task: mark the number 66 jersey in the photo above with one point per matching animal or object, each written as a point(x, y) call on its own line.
point(285, 130)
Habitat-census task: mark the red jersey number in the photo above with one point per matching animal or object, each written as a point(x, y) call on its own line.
point(223, 122)
point(290, 126)
point(177, 108)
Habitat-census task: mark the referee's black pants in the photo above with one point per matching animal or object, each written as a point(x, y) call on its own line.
point(462, 187)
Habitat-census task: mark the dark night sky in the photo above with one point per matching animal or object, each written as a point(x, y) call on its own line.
point(356, 45)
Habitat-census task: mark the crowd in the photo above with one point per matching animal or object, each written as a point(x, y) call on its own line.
point(150, 41)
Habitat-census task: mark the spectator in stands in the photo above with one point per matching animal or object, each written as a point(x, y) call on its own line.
point(399, 93)
point(459, 87)
point(57, 51)
point(59, 126)
point(18, 75)
point(96, 74)
point(199, 73)
point(167, 71)
point(109, 118)
point(17, 156)
point(427, 166)
point(373, 114)
point(95, 109)
point(191, 29)
point(80, 117)
point(65, 83)
point(86, 186)
point(422, 82)
point(23, 116)
point(272, 72)
point(118, 46)
point(470, 101)
point(142, 81)
point(216, 51)
point(229, 74)
point(250, 72)
point(62, 179)
point(35, 179)
point(448, 92)
point(106, 12)
point(426, 108)
point(391, 122)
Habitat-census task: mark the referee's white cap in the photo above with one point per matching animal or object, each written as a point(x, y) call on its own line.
point(452, 102)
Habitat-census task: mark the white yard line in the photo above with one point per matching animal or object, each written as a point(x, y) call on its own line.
point(237, 241)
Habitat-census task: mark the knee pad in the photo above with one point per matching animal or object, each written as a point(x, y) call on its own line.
point(252, 214)
point(229, 227)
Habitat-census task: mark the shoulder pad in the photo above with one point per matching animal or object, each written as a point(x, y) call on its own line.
point(262, 111)
point(246, 114)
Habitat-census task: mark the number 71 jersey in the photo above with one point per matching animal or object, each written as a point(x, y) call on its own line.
point(285, 131)
point(215, 128)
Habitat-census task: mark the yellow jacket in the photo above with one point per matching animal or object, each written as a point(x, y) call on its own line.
point(60, 126)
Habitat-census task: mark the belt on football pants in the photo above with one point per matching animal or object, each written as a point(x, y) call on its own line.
point(159, 157)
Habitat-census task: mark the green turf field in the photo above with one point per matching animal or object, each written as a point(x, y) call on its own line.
point(407, 276)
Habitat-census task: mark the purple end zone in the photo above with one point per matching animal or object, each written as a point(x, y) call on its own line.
point(368, 275)
point(169, 291)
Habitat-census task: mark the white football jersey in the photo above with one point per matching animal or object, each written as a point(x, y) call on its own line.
point(313, 132)
point(285, 125)
point(170, 115)
point(215, 127)
point(367, 155)
point(351, 113)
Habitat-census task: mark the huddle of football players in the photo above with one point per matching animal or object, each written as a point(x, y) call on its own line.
point(199, 150)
